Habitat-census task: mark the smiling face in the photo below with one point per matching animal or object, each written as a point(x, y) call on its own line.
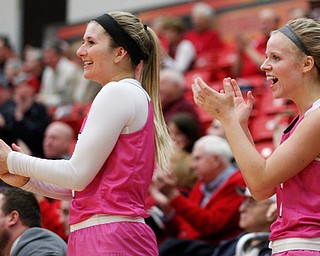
point(283, 66)
point(97, 54)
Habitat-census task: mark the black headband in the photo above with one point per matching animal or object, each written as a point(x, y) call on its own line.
point(288, 32)
point(121, 37)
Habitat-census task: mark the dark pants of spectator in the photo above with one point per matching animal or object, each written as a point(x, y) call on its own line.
point(182, 247)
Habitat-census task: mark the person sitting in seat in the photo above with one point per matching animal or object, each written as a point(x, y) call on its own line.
point(255, 218)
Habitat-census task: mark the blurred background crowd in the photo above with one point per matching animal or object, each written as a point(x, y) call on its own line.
point(44, 98)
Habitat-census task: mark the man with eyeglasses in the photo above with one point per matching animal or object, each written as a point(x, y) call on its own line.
point(255, 218)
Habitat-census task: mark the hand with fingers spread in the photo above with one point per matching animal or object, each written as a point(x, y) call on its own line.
point(221, 104)
point(213, 102)
point(242, 107)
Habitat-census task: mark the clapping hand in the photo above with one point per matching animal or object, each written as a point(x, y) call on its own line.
point(163, 190)
point(11, 179)
point(4, 152)
point(242, 107)
point(222, 104)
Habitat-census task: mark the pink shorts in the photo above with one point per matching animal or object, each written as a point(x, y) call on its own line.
point(116, 239)
point(298, 253)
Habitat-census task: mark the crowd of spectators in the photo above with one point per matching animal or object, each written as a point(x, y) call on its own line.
point(198, 209)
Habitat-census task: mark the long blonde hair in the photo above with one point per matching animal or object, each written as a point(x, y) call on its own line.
point(148, 41)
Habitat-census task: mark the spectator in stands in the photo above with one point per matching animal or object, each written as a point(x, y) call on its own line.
point(216, 129)
point(64, 216)
point(297, 12)
point(6, 52)
point(34, 66)
point(5, 91)
point(58, 139)
point(251, 52)
point(172, 91)
point(184, 131)
point(60, 76)
point(181, 52)
point(184, 175)
point(255, 219)
point(315, 14)
point(210, 213)
point(12, 70)
point(20, 227)
point(86, 90)
point(23, 118)
point(157, 25)
point(202, 34)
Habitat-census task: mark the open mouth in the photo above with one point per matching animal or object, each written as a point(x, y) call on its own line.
point(272, 79)
point(87, 63)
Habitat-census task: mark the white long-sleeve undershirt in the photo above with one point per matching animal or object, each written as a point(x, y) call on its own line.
point(49, 190)
point(120, 107)
point(185, 55)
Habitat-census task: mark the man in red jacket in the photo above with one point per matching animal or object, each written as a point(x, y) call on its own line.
point(210, 213)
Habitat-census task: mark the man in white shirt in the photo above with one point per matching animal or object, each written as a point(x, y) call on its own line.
point(60, 78)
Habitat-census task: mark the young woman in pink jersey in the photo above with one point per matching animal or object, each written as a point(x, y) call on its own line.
point(293, 170)
point(123, 136)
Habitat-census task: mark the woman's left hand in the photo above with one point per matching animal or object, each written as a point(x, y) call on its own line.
point(243, 107)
